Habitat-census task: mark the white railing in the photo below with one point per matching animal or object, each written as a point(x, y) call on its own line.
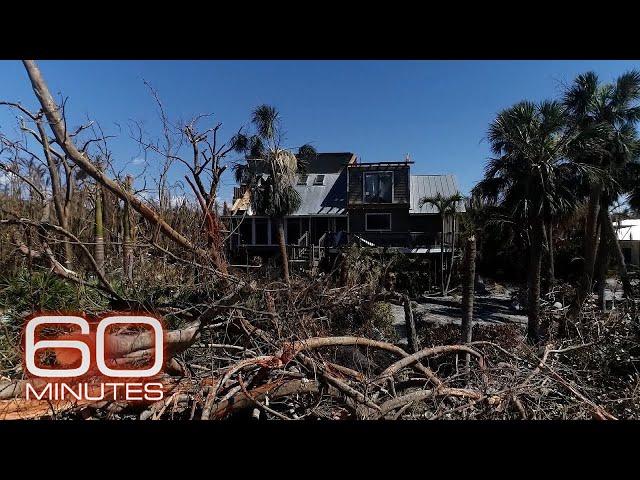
point(322, 240)
point(304, 239)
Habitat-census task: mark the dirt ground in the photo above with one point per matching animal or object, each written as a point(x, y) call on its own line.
point(492, 308)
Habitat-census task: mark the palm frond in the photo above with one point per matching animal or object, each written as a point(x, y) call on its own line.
point(627, 88)
point(266, 119)
point(239, 142)
point(256, 147)
point(578, 98)
point(240, 171)
point(306, 154)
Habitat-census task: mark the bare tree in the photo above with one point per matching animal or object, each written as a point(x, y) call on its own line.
point(204, 159)
point(81, 159)
point(61, 171)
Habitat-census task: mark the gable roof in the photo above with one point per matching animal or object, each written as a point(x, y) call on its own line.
point(429, 186)
point(330, 198)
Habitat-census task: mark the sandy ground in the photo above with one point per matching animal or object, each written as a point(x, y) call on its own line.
point(491, 308)
point(487, 310)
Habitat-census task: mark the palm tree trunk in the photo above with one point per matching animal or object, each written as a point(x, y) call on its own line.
point(551, 255)
point(535, 269)
point(453, 251)
point(610, 233)
point(601, 267)
point(99, 231)
point(283, 251)
point(590, 242)
point(468, 284)
point(442, 257)
point(468, 288)
point(410, 325)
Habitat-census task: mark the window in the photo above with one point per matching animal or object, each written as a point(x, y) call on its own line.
point(319, 180)
point(379, 222)
point(302, 179)
point(262, 231)
point(378, 187)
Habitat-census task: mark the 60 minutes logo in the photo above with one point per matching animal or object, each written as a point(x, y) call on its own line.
point(91, 349)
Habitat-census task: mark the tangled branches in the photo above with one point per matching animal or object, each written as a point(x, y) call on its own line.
point(272, 353)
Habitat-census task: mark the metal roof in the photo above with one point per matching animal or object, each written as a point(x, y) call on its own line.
point(331, 198)
point(327, 199)
point(429, 186)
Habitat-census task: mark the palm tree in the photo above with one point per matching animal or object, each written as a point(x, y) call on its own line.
point(445, 206)
point(99, 230)
point(99, 224)
point(626, 177)
point(528, 178)
point(270, 172)
point(468, 284)
point(602, 120)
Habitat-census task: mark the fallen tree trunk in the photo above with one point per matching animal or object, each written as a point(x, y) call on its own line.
point(319, 342)
point(19, 408)
point(429, 352)
point(273, 390)
point(421, 395)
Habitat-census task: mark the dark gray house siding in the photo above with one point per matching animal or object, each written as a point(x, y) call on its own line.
point(401, 194)
point(425, 223)
point(399, 218)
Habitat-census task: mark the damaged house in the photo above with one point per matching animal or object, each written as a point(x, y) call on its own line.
point(346, 201)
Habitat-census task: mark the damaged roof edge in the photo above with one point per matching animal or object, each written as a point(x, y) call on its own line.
point(330, 197)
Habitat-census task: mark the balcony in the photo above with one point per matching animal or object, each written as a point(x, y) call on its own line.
point(431, 241)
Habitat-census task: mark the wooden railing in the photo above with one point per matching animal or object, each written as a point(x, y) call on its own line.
point(400, 239)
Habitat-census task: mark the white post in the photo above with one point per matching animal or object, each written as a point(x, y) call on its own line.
point(253, 231)
point(269, 240)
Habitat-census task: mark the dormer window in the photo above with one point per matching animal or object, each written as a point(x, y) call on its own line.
point(319, 180)
point(378, 187)
point(302, 179)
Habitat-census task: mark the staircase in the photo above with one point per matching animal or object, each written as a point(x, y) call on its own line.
point(306, 253)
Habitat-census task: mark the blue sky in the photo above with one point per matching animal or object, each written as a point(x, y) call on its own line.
point(437, 111)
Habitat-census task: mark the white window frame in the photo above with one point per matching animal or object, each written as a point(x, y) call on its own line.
point(375, 172)
point(366, 222)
